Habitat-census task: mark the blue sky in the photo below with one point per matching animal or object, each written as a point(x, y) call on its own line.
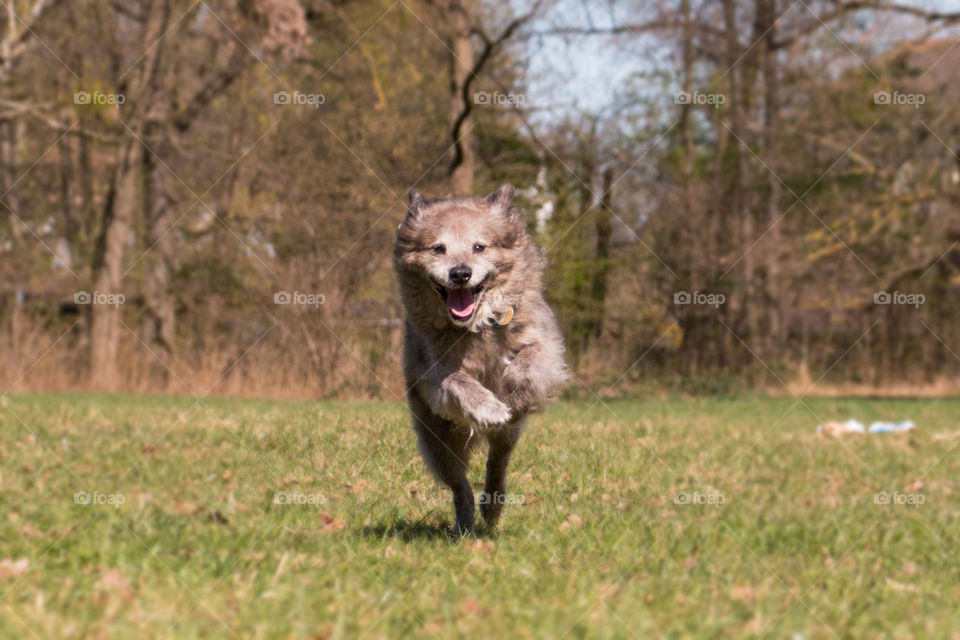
point(583, 72)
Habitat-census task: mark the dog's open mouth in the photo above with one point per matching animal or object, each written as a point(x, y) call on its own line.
point(462, 302)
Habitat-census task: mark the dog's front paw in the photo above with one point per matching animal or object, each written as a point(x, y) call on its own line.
point(516, 388)
point(488, 412)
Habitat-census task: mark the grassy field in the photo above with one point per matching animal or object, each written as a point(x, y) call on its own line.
point(132, 517)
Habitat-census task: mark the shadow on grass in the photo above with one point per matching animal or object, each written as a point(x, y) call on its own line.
point(407, 530)
point(411, 530)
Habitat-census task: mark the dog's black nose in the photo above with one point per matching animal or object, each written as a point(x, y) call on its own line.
point(460, 274)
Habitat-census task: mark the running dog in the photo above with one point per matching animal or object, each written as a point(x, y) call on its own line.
point(482, 349)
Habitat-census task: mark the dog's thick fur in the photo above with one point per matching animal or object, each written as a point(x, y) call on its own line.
point(476, 377)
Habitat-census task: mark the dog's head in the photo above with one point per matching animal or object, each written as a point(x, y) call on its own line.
point(463, 250)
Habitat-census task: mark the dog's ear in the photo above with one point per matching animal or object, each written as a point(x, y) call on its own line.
point(502, 197)
point(500, 202)
point(417, 203)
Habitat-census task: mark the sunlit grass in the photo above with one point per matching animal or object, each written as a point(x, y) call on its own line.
point(723, 518)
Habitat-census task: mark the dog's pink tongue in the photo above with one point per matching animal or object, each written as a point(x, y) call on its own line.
point(460, 302)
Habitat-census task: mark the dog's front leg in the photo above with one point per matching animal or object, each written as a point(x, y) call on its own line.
point(461, 398)
point(530, 377)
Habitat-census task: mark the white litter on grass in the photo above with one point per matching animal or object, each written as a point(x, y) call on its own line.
point(890, 427)
point(838, 428)
point(855, 426)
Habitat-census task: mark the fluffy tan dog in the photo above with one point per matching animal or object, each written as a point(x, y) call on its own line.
point(482, 347)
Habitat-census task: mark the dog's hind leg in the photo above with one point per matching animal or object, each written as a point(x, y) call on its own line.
point(502, 443)
point(446, 450)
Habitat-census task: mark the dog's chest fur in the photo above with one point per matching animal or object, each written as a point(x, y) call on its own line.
point(482, 355)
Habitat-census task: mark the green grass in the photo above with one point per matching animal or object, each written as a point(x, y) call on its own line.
point(600, 548)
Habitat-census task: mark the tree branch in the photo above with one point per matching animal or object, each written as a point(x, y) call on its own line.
point(490, 45)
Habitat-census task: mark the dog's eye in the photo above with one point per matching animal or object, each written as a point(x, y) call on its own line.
point(478, 248)
point(438, 249)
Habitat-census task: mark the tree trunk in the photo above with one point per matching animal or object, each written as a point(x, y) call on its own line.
point(68, 189)
point(767, 16)
point(108, 257)
point(461, 121)
point(604, 229)
point(736, 195)
point(8, 132)
point(122, 202)
point(158, 321)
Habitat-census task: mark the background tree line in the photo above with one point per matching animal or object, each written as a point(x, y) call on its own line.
point(732, 216)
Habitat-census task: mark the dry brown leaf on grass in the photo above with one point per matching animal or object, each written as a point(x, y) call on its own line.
point(571, 521)
point(902, 587)
point(743, 593)
point(216, 516)
point(413, 489)
point(13, 568)
point(183, 508)
point(357, 485)
point(472, 606)
point(528, 499)
point(914, 486)
point(329, 524)
point(114, 581)
point(483, 546)
point(755, 626)
point(946, 435)
point(607, 590)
